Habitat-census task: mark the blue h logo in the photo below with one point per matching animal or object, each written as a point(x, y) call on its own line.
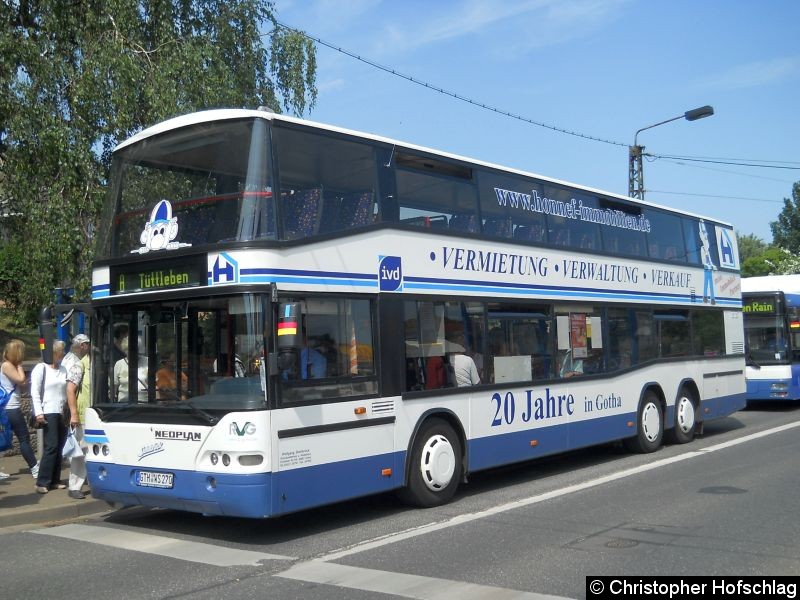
point(390, 274)
point(726, 250)
point(225, 269)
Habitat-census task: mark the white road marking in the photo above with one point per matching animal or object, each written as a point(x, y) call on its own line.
point(401, 584)
point(522, 502)
point(207, 554)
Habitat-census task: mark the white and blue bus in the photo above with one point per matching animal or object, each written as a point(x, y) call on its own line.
point(288, 314)
point(771, 310)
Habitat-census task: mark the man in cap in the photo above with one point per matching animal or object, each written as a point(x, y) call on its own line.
point(76, 368)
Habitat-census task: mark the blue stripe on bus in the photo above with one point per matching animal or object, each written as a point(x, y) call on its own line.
point(333, 278)
point(497, 450)
point(297, 489)
point(101, 291)
point(308, 273)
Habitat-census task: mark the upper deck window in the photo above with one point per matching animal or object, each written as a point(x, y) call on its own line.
point(511, 207)
point(327, 184)
point(435, 194)
point(623, 234)
point(214, 177)
point(665, 239)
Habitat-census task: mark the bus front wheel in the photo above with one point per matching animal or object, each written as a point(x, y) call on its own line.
point(650, 425)
point(435, 465)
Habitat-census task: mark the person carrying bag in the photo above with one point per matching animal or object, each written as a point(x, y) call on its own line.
point(12, 378)
point(49, 396)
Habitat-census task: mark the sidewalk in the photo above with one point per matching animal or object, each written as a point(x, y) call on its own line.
point(21, 505)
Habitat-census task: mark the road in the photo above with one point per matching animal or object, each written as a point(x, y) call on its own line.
point(723, 505)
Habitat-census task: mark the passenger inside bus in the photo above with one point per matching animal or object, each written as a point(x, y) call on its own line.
point(166, 380)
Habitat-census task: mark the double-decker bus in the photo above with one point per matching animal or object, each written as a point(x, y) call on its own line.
point(288, 314)
point(771, 309)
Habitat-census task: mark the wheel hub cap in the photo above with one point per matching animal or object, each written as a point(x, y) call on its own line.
point(650, 422)
point(685, 415)
point(438, 463)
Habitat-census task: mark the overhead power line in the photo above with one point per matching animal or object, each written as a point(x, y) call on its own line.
point(724, 197)
point(724, 162)
point(773, 164)
point(441, 90)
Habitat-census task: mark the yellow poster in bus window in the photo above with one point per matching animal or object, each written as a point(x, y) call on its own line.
point(577, 329)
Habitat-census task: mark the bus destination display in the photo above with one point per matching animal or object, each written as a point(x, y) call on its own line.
point(149, 277)
point(759, 305)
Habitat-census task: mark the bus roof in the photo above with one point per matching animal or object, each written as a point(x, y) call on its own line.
point(223, 114)
point(772, 283)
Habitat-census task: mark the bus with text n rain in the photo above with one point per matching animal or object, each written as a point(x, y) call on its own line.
point(771, 312)
point(289, 314)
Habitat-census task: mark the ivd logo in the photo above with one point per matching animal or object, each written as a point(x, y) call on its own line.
point(390, 274)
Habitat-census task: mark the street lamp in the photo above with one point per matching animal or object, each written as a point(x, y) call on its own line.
point(635, 172)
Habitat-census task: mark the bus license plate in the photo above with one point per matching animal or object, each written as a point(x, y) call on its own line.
point(151, 479)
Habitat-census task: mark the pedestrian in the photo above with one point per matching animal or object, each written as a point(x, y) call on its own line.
point(49, 396)
point(77, 365)
point(12, 379)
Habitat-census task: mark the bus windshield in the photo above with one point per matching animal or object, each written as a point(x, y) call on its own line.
point(208, 352)
point(764, 339)
point(214, 178)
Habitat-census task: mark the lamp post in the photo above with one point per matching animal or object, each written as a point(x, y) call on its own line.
point(635, 169)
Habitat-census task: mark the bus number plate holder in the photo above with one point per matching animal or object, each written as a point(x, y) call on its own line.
point(153, 479)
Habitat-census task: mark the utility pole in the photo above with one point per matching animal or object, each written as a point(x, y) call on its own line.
point(635, 167)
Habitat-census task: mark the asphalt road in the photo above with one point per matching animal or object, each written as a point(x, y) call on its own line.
point(723, 505)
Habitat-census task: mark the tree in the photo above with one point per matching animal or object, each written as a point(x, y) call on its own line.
point(767, 263)
point(78, 77)
point(786, 230)
point(749, 246)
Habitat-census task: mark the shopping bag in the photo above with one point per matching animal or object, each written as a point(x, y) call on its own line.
point(71, 449)
point(6, 434)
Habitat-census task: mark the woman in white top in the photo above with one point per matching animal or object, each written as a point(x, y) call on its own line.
point(49, 395)
point(12, 378)
point(121, 373)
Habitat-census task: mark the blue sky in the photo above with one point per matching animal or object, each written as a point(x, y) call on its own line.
point(603, 68)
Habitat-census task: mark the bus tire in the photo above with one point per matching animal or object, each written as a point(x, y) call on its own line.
point(649, 427)
point(435, 465)
point(685, 418)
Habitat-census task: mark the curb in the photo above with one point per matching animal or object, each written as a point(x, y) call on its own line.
point(10, 517)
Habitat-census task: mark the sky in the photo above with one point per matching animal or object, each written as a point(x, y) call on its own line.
point(599, 68)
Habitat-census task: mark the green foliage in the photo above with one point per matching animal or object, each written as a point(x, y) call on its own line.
point(786, 230)
point(76, 78)
point(764, 263)
point(749, 246)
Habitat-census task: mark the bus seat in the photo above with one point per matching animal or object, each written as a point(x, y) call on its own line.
point(356, 210)
point(497, 227)
point(463, 222)
point(302, 214)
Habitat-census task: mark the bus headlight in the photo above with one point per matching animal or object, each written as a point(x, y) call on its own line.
point(214, 458)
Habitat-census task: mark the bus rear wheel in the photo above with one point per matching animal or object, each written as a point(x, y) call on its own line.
point(685, 418)
point(650, 425)
point(435, 466)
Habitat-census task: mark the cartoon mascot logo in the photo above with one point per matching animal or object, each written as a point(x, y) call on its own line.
point(160, 230)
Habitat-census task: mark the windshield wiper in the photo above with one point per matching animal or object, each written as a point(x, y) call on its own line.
point(194, 409)
point(750, 362)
